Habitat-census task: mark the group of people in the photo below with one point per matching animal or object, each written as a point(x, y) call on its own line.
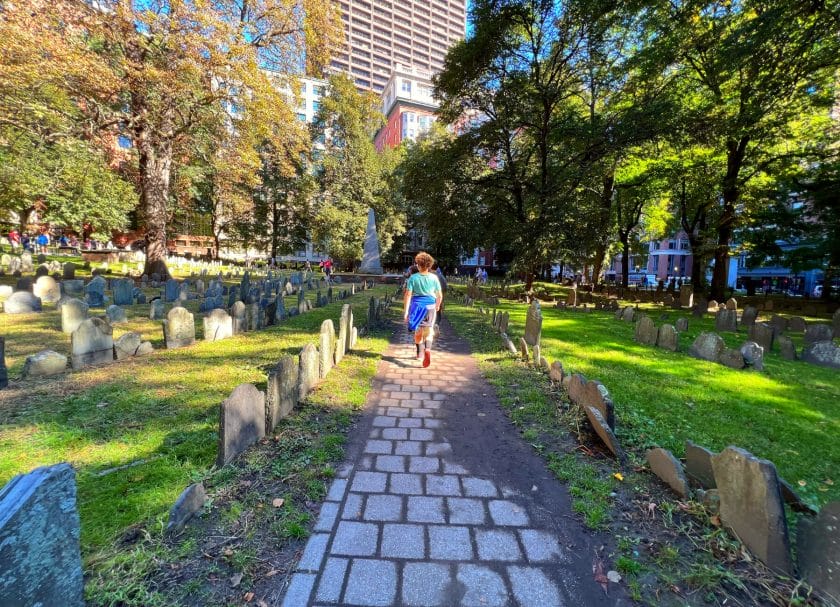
point(481, 275)
point(27, 242)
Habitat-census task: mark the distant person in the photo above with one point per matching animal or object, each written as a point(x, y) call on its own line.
point(42, 241)
point(423, 298)
point(14, 239)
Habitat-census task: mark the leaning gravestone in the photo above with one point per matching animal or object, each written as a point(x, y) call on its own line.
point(308, 376)
point(666, 337)
point(668, 468)
point(47, 289)
point(751, 505)
point(241, 422)
point(817, 332)
point(218, 324)
point(818, 549)
point(822, 353)
point(707, 346)
point(188, 503)
point(698, 465)
point(326, 348)
point(179, 328)
point(92, 343)
point(22, 302)
point(40, 558)
point(123, 291)
point(749, 315)
point(44, 364)
point(645, 331)
point(126, 345)
point(763, 334)
point(282, 394)
point(533, 323)
point(726, 320)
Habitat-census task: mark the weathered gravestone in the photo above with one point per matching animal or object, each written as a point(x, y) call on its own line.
point(523, 349)
point(26, 263)
point(753, 355)
point(835, 323)
point(68, 271)
point(308, 376)
point(604, 432)
point(751, 505)
point(47, 289)
point(822, 353)
point(731, 304)
point(130, 344)
point(786, 348)
point(686, 296)
point(749, 316)
point(188, 503)
point(698, 465)
point(156, 309)
point(171, 290)
point(179, 328)
point(798, 324)
point(763, 334)
point(40, 557)
point(628, 314)
point(73, 287)
point(556, 372)
point(779, 323)
point(44, 364)
point(22, 302)
point(326, 348)
point(682, 325)
point(95, 291)
point(533, 323)
point(817, 332)
point(239, 316)
point(73, 312)
point(218, 324)
point(645, 331)
point(818, 549)
point(115, 314)
point(241, 422)
point(123, 291)
point(255, 316)
point(92, 343)
point(732, 358)
point(282, 394)
point(347, 314)
point(707, 346)
point(669, 469)
point(726, 320)
point(666, 337)
point(280, 309)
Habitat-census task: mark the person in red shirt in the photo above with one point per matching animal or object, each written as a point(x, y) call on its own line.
point(14, 239)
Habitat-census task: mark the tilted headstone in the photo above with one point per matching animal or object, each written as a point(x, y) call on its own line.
point(308, 376)
point(628, 314)
point(282, 394)
point(47, 289)
point(645, 331)
point(40, 557)
point(241, 422)
point(726, 320)
point(92, 343)
point(818, 551)
point(326, 348)
point(533, 323)
point(707, 346)
point(698, 465)
point(667, 338)
point(22, 302)
point(115, 314)
point(218, 324)
point(669, 469)
point(817, 332)
point(123, 291)
point(763, 334)
point(749, 316)
point(188, 504)
point(179, 328)
point(523, 349)
point(822, 353)
point(751, 505)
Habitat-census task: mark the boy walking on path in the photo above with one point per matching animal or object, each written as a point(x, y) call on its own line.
point(423, 298)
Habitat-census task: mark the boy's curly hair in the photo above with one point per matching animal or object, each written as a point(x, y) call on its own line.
point(424, 261)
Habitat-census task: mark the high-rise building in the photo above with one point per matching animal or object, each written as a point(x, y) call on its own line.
point(379, 34)
point(408, 106)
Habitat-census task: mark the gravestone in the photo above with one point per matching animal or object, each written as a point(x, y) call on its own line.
point(751, 505)
point(347, 314)
point(726, 320)
point(731, 304)
point(188, 503)
point(686, 296)
point(354, 338)
point(593, 393)
point(628, 314)
point(707, 346)
point(698, 464)
point(115, 314)
point(604, 432)
point(646, 331)
point(44, 364)
point(818, 551)
point(68, 271)
point(26, 263)
point(95, 292)
point(172, 290)
point(73, 287)
point(326, 348)
point(763, 334)
point(126, 345)
point(817, 332)
point(40, 557)
point(241, 422)
point(536, 355)
point(533, 323)
point(239, 316)
point(22, 302)
point(218, 324)
point(779, 323)
point(753, 355)
point(666, 337)
point(682, 325)
point(786, 348)
point(308, 376)
point(255, 317)
point(749, 316)
point(669, 469)
point(47, 289)
point(41, 271)
point(123, 291)
point(798, 324)
point(556, 372)
point(822, 353)
point(156, 309)
point(279, 310)
point(732, 358)
point(523, 349)
point(282, 394)
point(179, 328)
point(504, 322)
point(92, 343)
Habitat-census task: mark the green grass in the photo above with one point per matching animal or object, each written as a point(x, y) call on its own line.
point(788, 413)
point(158, 413)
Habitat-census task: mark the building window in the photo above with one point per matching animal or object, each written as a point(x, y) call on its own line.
point(316, 105)
point(318, 90)
point(302, 117)
point(406, 86)
point(124, 142)
point(670, 247)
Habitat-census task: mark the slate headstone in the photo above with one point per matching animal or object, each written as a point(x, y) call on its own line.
point(68, 271)
point(73, 287)
point(239, 316)
point(669, 469)
point(92, 343)
point(95, 292)
point(763, 334)
point(172, 290)
point(156, 309)
point(686, 296)
point(814, 333)
point(218, 324)
point(835, 323)
point(666, 337)
point(822, 353)
point(523, 349)
point(698, 465)
point(308, 376)
point(179, 328)
point(326, 348)
point(786, 347)
point(749, 316)
point(753, 355)
point(115, 314)
point(282, 394)
point(751, 505)
point(707, 346)
point(604, 432)
point(732, 358)
point(682, 325)
point(241, 422)
point(187, 505)
point(726, 320)
point(818, 549)
point(123, 291)
point(798, 324)
point(556, 372)
point(779, 323)
point(646, 331)
point(628, 314)
point(347, 315)
point(22, 302)
point(40, 557)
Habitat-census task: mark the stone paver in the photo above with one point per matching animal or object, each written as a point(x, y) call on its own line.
point(415, 518)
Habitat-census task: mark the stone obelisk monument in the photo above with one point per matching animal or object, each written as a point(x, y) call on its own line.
point(370, 258)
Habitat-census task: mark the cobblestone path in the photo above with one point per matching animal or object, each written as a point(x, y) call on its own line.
point(441, 502)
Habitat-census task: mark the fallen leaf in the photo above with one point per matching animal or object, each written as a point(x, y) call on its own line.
point(278, 502)
point(618, 476)
point(249, 596)
point(598, 574)
point(614, 576)
point(715, 520)
point(828, 481)
point(235, 579)
point(801, 483)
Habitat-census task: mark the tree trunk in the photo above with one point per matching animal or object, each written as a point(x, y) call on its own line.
point(155, 170)
point(598, 262)
point(735, 152)
point(625, 259)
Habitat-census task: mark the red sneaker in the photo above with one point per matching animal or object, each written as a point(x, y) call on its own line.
point(427, 358)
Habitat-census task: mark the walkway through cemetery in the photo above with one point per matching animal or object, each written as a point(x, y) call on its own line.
point(440, 502)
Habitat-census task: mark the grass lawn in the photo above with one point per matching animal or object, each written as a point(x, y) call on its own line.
point(158, 413)
point(789, 414)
